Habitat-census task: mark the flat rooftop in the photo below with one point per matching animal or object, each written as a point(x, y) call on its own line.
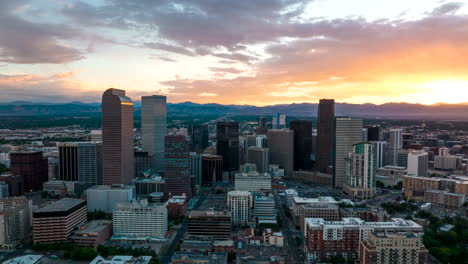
point(60, 205)
point(210, 213)
point(355, 222)
point(112, 187)
point(94, 226)
point(304, 200)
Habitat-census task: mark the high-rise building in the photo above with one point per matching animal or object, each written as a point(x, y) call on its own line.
point(393, 247)
point(380, 150)
point(239, 203)
point(212, 169)
point(154, 128)
point(198, 137)
point(143, 162)
point(227, 144)
point(278, 121)
point(360, 172)
point(264, 209)
point(418, 163)
point(373, 133)
point(252, 182)
point(139, 220)
point(260, 157)
point(395, 144)
point(325, 133)
point(57, 221)
point(216, 224)
point(281, 146)
point(262, 126)
point(15, 184)
point(117, 137)
point(4, 190)
point(196, 167)
point(302, 144)
point(177, 168)
point(32, 166)
point(15, 221)
point(80, 161)
point(348, 132)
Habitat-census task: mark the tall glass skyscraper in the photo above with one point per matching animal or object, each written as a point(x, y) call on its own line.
point(177, 168)
point(325, 133)
point(302, 144)
point(227, 144)
point(117, 137)
point(154, 128)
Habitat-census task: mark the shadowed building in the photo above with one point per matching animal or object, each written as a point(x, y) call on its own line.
point(227, 144)
point(177, 168)
point(212, 169)
point(153, 128)
point(302, 144)
point(32, 166)
point(117, 136)
point(198, 137)
point(325, 134)
point(281, 146)
point(81, 161)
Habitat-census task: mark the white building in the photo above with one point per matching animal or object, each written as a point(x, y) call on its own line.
point(360, 172)
point(395, 144)
point(448, 162)
point(418, 163)
point(104, 197)
point(139, 221)
point(273, 238)
point(239, 203)
point(264, 209)
point(253, 182)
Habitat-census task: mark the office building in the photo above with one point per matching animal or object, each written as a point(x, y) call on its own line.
point(445, 162)
point(212, 169)
point(177, 168)
point(395, 144)
point(264, 209)
point(325, 133)
point(260, 157)
point(414, 187)
point(80, 161)
point(262, 126)
point(278, 121)
point(227, 144)
point(239, 203)
point(138, 220)
point(154, 128)
point(328, 238)
point(444, 198)
point(4, 190)
point(368, 214)
point(347, 134)
point(122, 260)
point(393, 247)
point(148, 184)
point(281, 146)
point(95, 135)
point(216, 224)
point(402, 158)
point(104, 197)
point(117, 137)
point(196, 167)
point(360, 172)
point(373, 133)
point(15, 183)
point(327, 211)
point(57, 221)
point(176, 206)
point(15, 221)
point(380, 151)
point(198, 137)
point(298, 202)
point(302, 144)
point(32, 166)
point(252, 182)
point(143, 163)
point(418, 163)
point(199, 258)
point(93, 233)
point(390, 176)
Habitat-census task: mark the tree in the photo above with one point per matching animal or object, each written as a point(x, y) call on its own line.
point(379, 184)
point(85, 253)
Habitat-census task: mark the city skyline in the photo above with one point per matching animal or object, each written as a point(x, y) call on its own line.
point(269, 52)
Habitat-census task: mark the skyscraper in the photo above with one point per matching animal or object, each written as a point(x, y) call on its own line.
point(278, 121)
point(302, 144)
point(373, 133)
point(198, 137)
point(281, 146)
point(325, 133)
point(260, 157)
point(227, 144)
point(360, 172)
point(380, 150)
point(153, 128)
point(262, 126)
point(117, 137)
point(81, 161)
point(177, 168)
point(395, 144)
point(32, 166)
point(211, 169)
point(348, 132)
point(239, 203)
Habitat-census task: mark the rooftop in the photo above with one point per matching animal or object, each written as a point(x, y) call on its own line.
point(121, 260)
point(60, 205)
point(355, 222)
point(112, 187)
point(26, 259)
point(94, 226)
point(304, 200)
point(210, 213)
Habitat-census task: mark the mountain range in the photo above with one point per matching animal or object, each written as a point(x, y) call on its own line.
point(384, 111)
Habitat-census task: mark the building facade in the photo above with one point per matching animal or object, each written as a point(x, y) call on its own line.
point(216, 224)
point(252, 182)
point(211, 169)
point(154, 128)
point(302, 144)
point(32, 166)
point(104, 197)
point(80, 161)
point(227, 144)
point(239, 203)
point(177, 168)
point(325, 132)
point(281, 146)
point(360, 172)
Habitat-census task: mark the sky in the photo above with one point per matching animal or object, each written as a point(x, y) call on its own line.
point(256, 52)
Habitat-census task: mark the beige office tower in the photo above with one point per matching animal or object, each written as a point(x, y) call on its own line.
point(154, 128)
point(117, 137)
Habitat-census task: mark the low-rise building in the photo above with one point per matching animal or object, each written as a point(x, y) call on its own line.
point(177, 206)
point(374, 214)
point(390, 176)
point(198, 258)
point(252, 182)
point(93, 233)
point(216, 224)
point(105, 197)
point(298, 202)
point(443, 198)
point(327, 211)
point(122, 260)
point(273, 238)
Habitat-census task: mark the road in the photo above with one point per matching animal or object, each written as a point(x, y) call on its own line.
point(289, 231)
point(171, 249)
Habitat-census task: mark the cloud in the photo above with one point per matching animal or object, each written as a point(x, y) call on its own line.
point(208, 94)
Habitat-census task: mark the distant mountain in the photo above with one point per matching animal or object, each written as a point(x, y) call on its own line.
point(390, 110)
